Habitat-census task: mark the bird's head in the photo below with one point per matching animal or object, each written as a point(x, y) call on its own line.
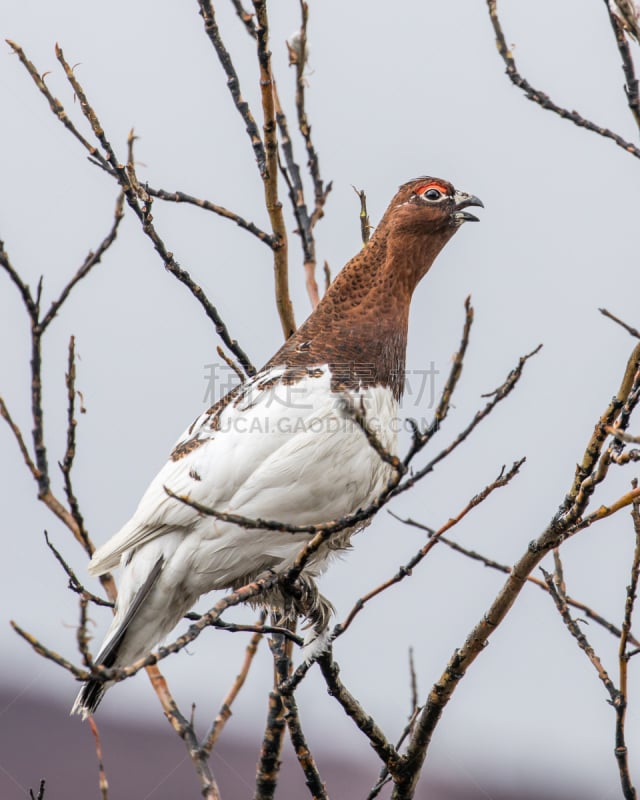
point(430, 205)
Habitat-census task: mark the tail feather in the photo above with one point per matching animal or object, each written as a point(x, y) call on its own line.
point(93, 690)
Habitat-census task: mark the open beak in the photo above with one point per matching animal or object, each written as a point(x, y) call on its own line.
point(463, 200)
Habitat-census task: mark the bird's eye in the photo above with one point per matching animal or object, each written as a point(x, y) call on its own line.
point(432, 191)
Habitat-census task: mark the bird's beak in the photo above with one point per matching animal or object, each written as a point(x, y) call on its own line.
point(463, 200)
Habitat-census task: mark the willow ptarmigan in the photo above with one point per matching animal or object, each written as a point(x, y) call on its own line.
point(276, 447)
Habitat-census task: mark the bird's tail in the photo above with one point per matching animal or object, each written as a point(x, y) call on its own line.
point(93, 690)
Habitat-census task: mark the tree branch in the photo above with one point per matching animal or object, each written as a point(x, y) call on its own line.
point(543, 100)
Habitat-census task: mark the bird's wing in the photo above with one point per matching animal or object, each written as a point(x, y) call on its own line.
point(274, 449)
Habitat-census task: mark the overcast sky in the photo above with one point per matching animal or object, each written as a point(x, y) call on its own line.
point(394, 91)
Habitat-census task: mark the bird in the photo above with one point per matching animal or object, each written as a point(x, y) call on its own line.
point(278, 447)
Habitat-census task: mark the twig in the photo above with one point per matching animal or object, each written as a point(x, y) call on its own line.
point(320, 190)
point(17, 433)
point(497, 396)
point(225, 710)
point(623, 436)
point(38, 465)
point(502, 480)
point(365, 224)
point(567, 518)
point(621, 751)
point(421, 438)
point(118, 171)
point(82, 636)
point(313, 780)
point(231, 363)
point(292, 177)
point(74, 583)
point(241, 595)
point(183, 197)
point(618, 696)
point(543, 100)
point(359, 415)
point(633, 331)
point(504, 568)
point(58, 108)
point(413, 682)
point(245, 17)
point(384, 777)
point(385, 750)
point(51, 655)
point(233, 83)
point(558, 573)
point(631, 88)
point(70, 452)
point(281, 649)
point(265, 152)
point(92, 259)
point(102, 780)
point(327, 275)
point(270, 172)
point(40, 795)
point(576, 632)
point(269, 763)
point(234, 627)
point(186, 731)
point(306, 222)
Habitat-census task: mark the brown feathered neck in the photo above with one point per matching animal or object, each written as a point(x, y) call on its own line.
point(360, 326)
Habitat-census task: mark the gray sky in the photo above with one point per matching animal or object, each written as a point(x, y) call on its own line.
point(392, 95)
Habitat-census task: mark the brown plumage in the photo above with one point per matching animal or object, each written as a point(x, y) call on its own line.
point(360, 326)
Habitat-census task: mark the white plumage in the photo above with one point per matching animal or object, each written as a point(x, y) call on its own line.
point(276, 450)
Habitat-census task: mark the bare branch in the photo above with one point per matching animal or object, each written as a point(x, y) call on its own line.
point(623, 436)
point(576, 632)
point(421, 438)
point(313, 780)
point(185, 730)
point(90, 261)
point(365, 224)
point(40, 795)
point(499, 394)
point(51, 655)
point(183, 197)
point(57, 107)
point(633, 331)
point(506, 569)
point(621, 752)
point(70, 452)
point(385, 750)
point(320, 190)
point(618, 698)
point(231, 364)
point(270, 173)
point(631, 88)
point(74, 583)
point(245, 17)
point(268, 768)
point(103, 784)
point(543, 100)
point(225, 710)
point(213, 32)
point(25, 292)
point(4, 412)
point(566, 522)
point(502, 480)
